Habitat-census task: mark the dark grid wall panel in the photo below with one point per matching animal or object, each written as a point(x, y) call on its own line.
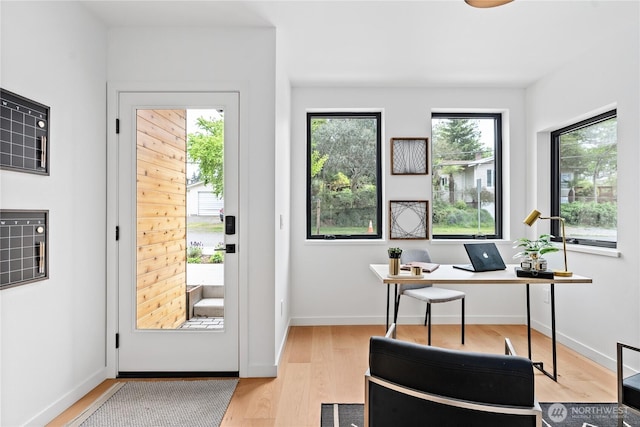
point(24, 130)
point(23, 251)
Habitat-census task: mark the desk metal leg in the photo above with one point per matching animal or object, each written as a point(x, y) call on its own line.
point(529, 321)
point(540, 365)
point(396, 303)
point(388, 291)
point(553, 331)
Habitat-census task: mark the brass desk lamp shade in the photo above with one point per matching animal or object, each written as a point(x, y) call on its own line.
point(532, 218)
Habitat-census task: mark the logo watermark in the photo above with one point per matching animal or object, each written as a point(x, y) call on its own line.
point(591, 412)
point(557, 412)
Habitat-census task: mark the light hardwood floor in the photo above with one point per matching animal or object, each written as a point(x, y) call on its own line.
point(326, 364)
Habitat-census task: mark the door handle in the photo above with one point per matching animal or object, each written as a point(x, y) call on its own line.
point(229, 248)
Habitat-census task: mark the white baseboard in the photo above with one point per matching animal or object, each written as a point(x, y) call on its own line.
point(283, 344)
point(408, 320)
point(71, 397)
point(261, 371)
point(584, 350)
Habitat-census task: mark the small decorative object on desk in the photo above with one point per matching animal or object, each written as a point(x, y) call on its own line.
point(394, 260)
point(427, 267)
point(531, 254)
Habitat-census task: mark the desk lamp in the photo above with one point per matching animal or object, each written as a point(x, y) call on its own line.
point(533, 217)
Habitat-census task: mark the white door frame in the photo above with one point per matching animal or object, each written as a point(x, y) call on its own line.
point(113, 91)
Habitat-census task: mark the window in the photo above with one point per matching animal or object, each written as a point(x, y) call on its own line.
point(465, 149)
point(344, 191)
point(584, 159)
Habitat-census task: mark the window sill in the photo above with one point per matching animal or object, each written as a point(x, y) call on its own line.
point(324, 242)
point(594, 250)
point(462, 241)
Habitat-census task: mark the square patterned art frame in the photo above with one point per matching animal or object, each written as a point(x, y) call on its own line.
point(409, 219)
point(409, 156)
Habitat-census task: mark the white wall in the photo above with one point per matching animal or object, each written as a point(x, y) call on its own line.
point(53, 331)
point(240, 59)
point(591, 318)
point(283, 200)
point(331, 282)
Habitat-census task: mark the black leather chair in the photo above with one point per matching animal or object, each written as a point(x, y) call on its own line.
point(409, 384)
point(629, 387)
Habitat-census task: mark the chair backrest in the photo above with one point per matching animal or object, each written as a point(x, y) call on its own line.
point(413, 255)
point(409, 384)
point(417, 255)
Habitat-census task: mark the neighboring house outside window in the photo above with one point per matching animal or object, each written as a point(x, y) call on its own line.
point(466, 168)
point(344, 191)
point(584, 158)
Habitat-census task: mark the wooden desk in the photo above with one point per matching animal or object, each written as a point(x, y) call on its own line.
point(447, 275)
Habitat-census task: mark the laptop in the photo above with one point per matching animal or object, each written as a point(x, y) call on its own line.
point(483, 256)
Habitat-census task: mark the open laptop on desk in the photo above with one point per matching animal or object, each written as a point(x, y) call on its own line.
point(483, 256)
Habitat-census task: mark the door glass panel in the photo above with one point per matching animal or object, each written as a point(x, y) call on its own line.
point(180, 214)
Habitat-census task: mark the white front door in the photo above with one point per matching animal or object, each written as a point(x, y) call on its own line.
point(177, 294)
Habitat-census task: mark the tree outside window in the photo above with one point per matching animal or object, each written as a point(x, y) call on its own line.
point(466, 175)
point(343, 175)
point(205, 148)
point(585, 176)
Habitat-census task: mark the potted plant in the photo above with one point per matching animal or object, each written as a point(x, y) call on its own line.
point(532, 251)
point(394, 260)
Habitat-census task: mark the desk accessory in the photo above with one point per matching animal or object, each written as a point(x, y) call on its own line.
point(405, 276)
point(394, 261)
point(532, 218)
point(427, 267)
point(534, 274)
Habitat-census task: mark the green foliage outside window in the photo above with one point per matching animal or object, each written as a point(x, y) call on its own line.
point(586, 180)
point(206, 148)
point(342, 174)
point(462, 156)
point(590, 214)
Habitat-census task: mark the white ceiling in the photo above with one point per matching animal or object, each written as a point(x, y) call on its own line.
point(404, 43)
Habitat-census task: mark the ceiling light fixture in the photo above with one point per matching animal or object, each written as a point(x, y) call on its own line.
point(486, 3)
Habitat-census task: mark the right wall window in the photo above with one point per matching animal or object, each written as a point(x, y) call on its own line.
point(584, 190)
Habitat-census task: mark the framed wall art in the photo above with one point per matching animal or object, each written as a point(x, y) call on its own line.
point(23, 247)
point(409, 156)
point(24, 134)
point(408, 219)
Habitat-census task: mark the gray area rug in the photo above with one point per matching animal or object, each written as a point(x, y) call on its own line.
point(553, 415)
point(160, 403)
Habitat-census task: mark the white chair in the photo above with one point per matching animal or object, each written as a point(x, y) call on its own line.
point(427, 293)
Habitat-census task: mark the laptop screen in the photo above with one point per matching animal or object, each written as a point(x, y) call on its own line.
point(484, 256)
